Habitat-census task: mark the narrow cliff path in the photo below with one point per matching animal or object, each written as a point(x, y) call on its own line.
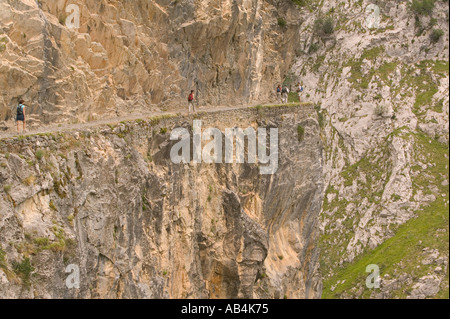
point(113, 120)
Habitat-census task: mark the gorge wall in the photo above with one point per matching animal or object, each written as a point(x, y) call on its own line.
point(111, 201)
point(384, 111)
point(140, 56)
point(368, 184)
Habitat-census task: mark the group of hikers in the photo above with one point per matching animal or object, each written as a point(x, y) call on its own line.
point(282, 96)
point(283, 92)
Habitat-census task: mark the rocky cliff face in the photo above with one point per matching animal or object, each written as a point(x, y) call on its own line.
point(137, 225)
point(140, 55)
point(111, 201)
point(384, 101)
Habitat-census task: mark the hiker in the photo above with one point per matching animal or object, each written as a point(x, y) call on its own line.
point(284, 95)
point(279, 93)
point(20, 115)
point(191, 102)
point(299, 91)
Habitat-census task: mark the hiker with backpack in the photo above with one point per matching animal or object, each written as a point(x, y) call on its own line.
point(299, 91)
point(20, 115)
point(191, 99)
point(284, 95)
point(279, 93)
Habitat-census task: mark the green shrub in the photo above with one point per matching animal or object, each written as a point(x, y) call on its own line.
point(379, 110)
point(435, 35)
point(41, 241)
point(39, 154)
point(145, 203)
point(52, 206)
point(7, 188)
point(433, 22)
point(2, 259)
point(419, 26)
point(281, 22)
point(313, 48)
point(300, 3)
point(328, 26)
point(3, 42)
point(324, 26)
point(422, 7)
point(29, 180)
point(23, 270)
point(300, 133)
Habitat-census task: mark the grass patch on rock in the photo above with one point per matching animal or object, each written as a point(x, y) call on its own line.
point(406, 246)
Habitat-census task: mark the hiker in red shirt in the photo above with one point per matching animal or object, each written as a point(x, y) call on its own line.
point(191, 99)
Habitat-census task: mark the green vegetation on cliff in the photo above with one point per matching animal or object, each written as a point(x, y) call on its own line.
point(400, 253)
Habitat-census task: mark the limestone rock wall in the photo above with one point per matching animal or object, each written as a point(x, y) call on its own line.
point(384, 112)
point(142, 55)
point(110, 201)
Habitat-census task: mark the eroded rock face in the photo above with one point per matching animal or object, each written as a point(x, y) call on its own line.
point(111, 201)
point(140, 55)
point(384, 100)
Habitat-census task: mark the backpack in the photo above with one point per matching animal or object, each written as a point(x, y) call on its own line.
point(191, 97)
point(20, 110)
